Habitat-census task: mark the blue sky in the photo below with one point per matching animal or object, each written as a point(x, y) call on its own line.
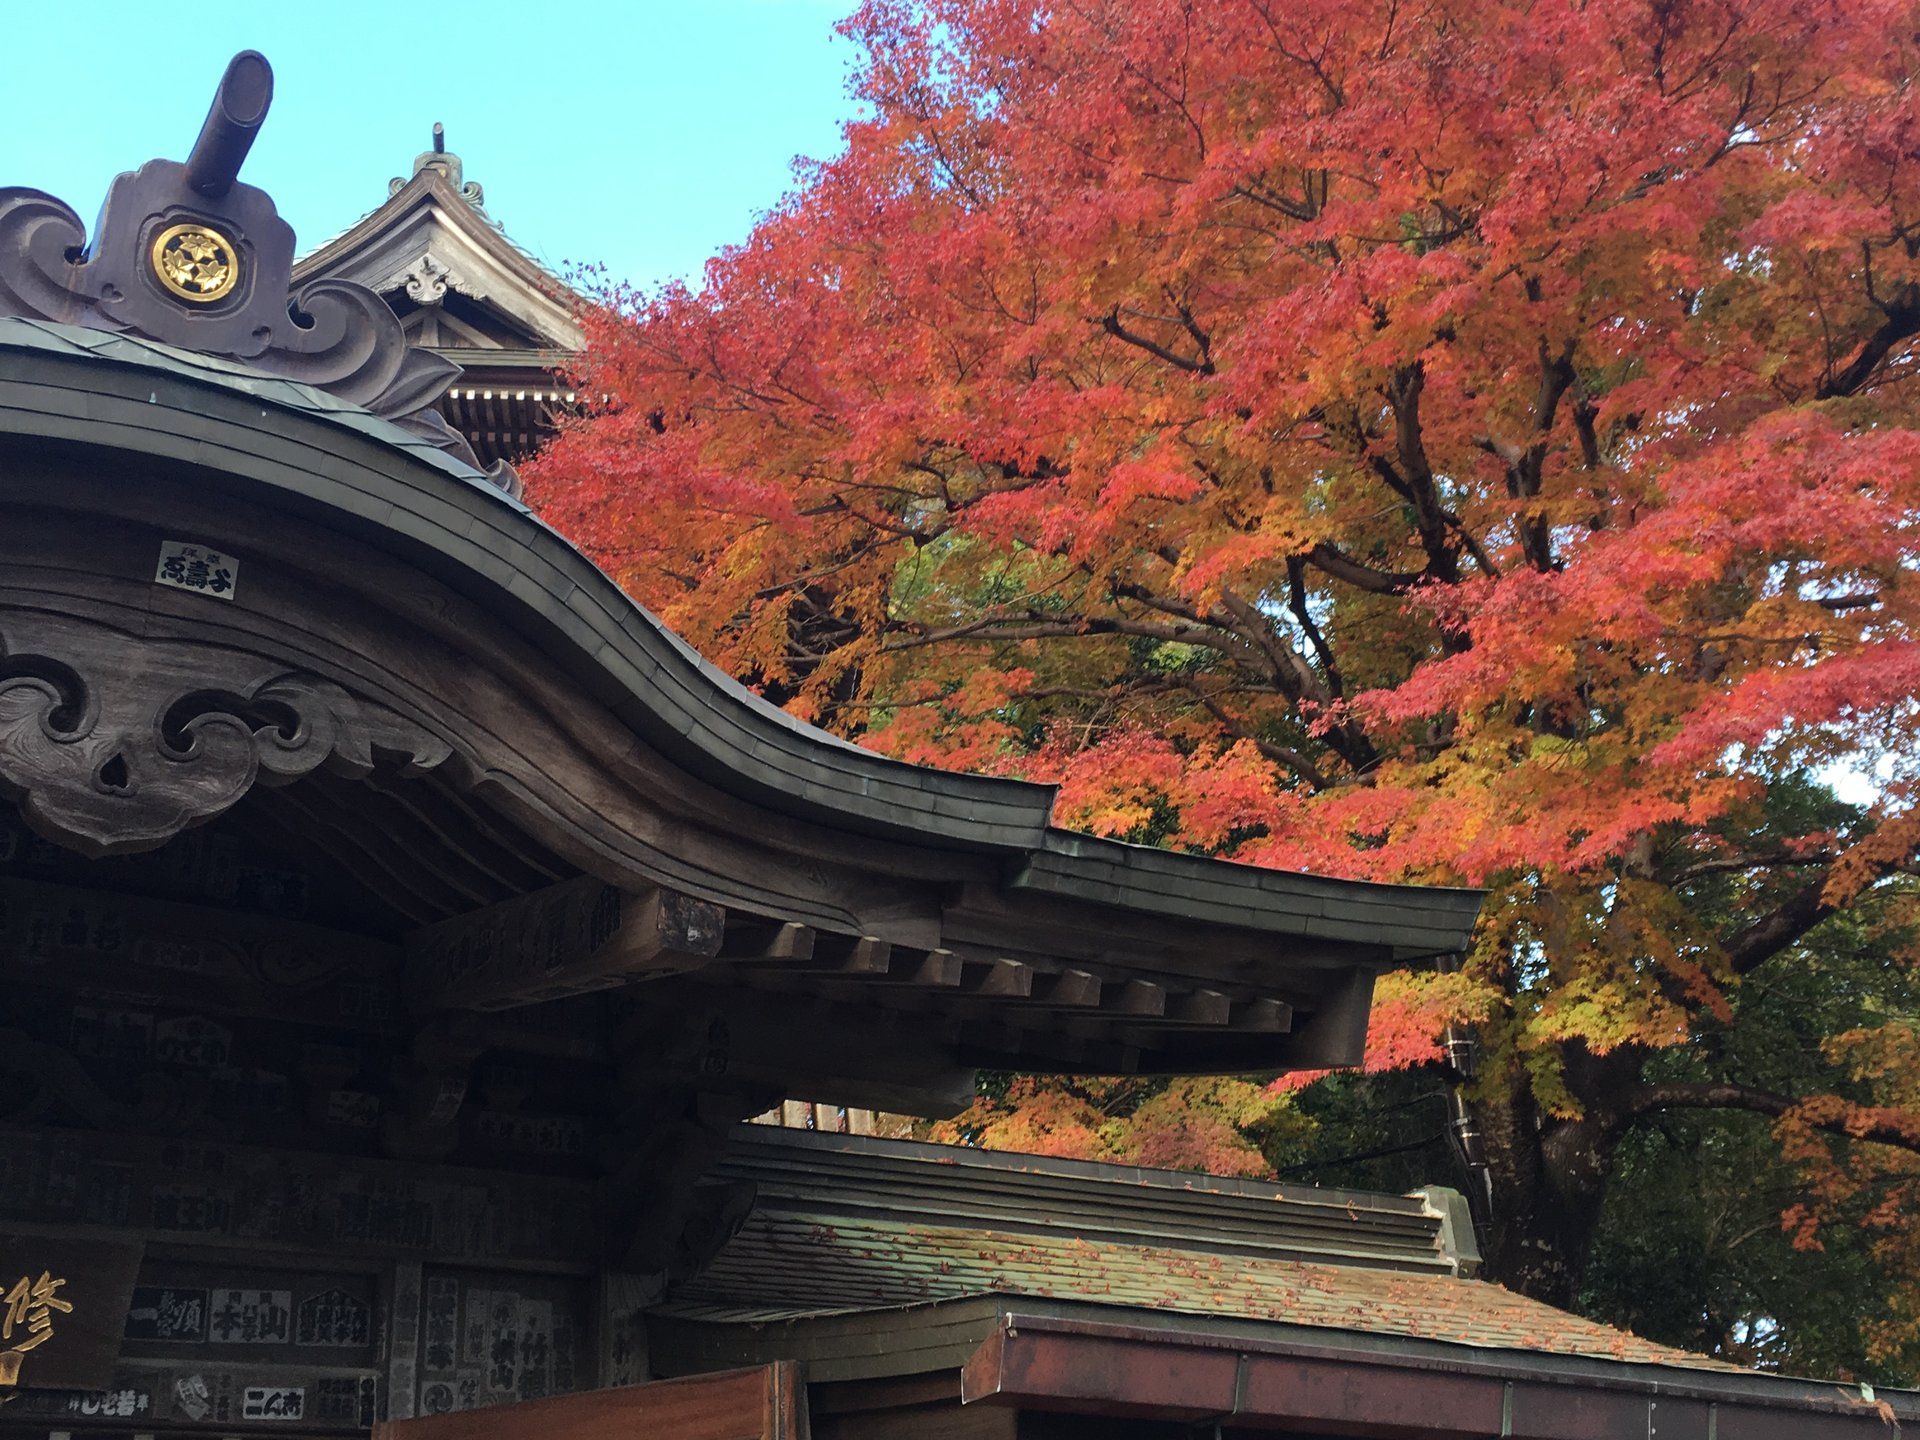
point(643, 136)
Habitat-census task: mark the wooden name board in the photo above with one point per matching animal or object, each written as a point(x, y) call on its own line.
point(63, 1307)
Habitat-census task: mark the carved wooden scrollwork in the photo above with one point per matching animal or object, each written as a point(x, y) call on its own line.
point(111, 743)
point(232, 296)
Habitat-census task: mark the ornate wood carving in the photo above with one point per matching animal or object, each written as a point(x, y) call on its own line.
point(113, 743)
point(338, 336)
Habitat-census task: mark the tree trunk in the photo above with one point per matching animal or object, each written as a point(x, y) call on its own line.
point(1549, 1181)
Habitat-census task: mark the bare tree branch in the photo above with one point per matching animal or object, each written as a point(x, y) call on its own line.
point(1110, 322)
point(1003, 628)
point(1734, 864)
point(1885, 1127)
point(1341, 566)
point(1757, 943)
point(1901, 322)
point(1280, 754)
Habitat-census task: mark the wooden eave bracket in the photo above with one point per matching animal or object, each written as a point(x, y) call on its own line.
point(585, 934)
point(580, 935)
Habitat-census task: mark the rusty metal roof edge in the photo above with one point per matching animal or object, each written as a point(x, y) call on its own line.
point(1709, 1380)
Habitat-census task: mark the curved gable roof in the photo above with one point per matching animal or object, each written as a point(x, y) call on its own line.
point(362, 474)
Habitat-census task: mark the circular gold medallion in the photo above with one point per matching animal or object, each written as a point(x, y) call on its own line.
point(196, 262)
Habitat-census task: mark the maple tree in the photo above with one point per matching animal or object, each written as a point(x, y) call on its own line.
point(1456, 442)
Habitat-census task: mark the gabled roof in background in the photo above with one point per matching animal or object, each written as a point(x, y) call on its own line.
point(448, 267)
point(843, 1228)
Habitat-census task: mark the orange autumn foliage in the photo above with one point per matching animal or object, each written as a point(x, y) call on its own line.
point(1473, 443)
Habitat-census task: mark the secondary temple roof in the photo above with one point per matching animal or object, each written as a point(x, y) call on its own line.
point(466, 292)
point(844, 1227)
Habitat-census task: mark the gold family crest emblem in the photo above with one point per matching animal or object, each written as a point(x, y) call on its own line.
point(195, 262)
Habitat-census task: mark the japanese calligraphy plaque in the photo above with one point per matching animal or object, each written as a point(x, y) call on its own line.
point(63, 1307)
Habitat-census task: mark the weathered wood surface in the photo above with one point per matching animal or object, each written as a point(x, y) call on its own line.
point(112, 742)
point(541, 782)
point(690, 1029)
point(527, 743)
point(138, 946)
point(247, 1198)
point(917, 1407)
point(764, 1403)
point(577, 936)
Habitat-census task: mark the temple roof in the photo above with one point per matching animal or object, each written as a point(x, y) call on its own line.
point(848, 1233)
point(851, 927)
point(705, 718)
point(450, 271)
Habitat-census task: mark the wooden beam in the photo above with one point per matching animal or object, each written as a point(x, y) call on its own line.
point(768, 940)
point(1141, 1010)
point(861, 955)
point(1136, 999)
point(1263, 1016)
point(993, 1042)
point(1201, 1007)
point(854, 957)
point(926, 969)
point(737, 1040)
point(1011, 979)
point(582, 934)
point(1022, 995)
point(1068, 989)
point(136, 949)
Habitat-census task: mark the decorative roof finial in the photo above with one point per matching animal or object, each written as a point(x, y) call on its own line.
point(446, 164)
point(189, 256)
point(233, 120)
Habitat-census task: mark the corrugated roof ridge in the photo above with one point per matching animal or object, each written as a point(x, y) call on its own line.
point(805, 1171)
